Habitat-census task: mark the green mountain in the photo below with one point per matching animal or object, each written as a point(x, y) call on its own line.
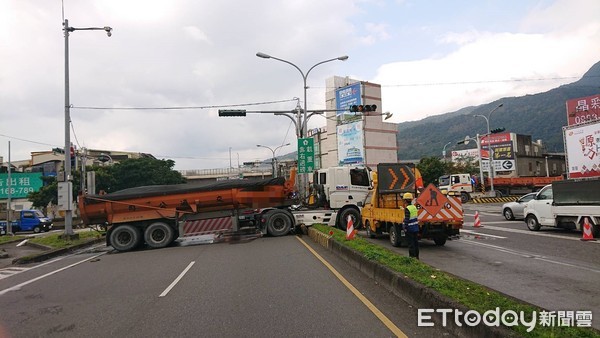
point(540, 115)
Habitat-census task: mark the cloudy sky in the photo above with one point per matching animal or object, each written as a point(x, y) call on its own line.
point(430, 56)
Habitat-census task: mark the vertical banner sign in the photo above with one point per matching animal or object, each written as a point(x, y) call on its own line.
point(582, 145)
point(306, 155)
point(583, 109)
point(344, 98)
point(350, 138)
point(21, 184)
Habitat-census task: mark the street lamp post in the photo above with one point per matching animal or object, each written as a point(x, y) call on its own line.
point(273, 159)
point(301, 124)
point(490, 150)
point(478, 142)
point(444, 150)
point(69, 213)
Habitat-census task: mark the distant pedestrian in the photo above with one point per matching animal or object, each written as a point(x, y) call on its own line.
point(411, 225)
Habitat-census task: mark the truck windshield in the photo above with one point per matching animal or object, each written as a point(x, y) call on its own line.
point(444, 180)
point(359, 177)
point(38, 213)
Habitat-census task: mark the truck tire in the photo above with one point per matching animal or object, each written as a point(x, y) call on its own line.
point(37, 229)
point(125, 237)
point(370, 233)
point(159, 235)
point(464, 197)
point(395, 235)
point(440, 240)
point(278, 222)
point(343, 219)
point(532, 223)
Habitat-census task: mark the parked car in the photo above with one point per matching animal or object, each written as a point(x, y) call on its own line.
point(28, 220)
point(513, 210)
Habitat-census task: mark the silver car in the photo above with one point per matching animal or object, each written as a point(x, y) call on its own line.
point(510, 209)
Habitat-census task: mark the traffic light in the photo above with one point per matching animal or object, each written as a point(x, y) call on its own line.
point(497, 130)
point(73, 157)
point(232, 113)
point(363, 108)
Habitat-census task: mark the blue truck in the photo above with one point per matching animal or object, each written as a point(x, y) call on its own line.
point(28, 220)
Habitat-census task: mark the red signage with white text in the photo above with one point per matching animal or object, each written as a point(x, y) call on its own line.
point(583, 109)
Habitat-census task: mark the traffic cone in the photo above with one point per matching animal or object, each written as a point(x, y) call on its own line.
point(587, 231)
point(350, 232)
point(477, 223)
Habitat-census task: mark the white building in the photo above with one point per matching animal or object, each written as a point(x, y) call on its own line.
point(354, 139)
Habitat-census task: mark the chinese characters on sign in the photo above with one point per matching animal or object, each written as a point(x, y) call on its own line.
point(582, 145)
point(582, 110)
point(20, 184)
point(306, 155)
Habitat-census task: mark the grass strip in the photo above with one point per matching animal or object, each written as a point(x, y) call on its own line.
point(56, 242)
point(472, 295)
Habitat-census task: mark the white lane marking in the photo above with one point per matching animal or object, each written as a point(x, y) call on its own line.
point(11, 271)
point(471, 232)
point(529, 232)
point(527, 255)
point(7, 272)
point(164, 293)
point(19, 286)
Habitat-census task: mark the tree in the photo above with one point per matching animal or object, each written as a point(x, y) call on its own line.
point(46, 195)
point(138, 172)
point(128, 173)
point(431, 169)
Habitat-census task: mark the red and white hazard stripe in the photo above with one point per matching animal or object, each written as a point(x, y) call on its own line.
point(454, 212)
point(207, 226)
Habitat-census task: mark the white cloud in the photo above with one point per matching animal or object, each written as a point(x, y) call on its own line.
point(202, 53)
point(473, 73)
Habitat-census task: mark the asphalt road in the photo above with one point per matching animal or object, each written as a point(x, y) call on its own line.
point(550, 268)
point(268, 287)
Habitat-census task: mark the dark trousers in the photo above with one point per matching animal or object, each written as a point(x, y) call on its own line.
point(413, 244)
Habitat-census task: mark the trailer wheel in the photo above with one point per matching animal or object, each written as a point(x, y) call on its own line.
point(343, 219)
point(440, 240)
point(125, 237)
point(159, 235)
point(532, 223)
point(370, 233)
point(278, 222)
point(464, 197)
point(395, 235)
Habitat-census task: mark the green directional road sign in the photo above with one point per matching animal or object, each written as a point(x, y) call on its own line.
point(306, 155)
point(21, 184)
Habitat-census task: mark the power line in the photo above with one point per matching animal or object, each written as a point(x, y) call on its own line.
point(184, 107)
point(24, 140)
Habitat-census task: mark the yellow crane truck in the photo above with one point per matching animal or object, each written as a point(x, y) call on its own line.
point(440, 216)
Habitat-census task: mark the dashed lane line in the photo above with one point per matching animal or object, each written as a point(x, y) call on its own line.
point(529, 232)
point(528, 255)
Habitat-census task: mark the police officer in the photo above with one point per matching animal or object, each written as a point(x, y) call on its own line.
point(411, 225)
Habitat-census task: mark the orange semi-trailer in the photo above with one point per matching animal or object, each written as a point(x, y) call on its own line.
point(157, 215)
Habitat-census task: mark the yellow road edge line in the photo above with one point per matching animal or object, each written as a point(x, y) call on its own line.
point(385, 320)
